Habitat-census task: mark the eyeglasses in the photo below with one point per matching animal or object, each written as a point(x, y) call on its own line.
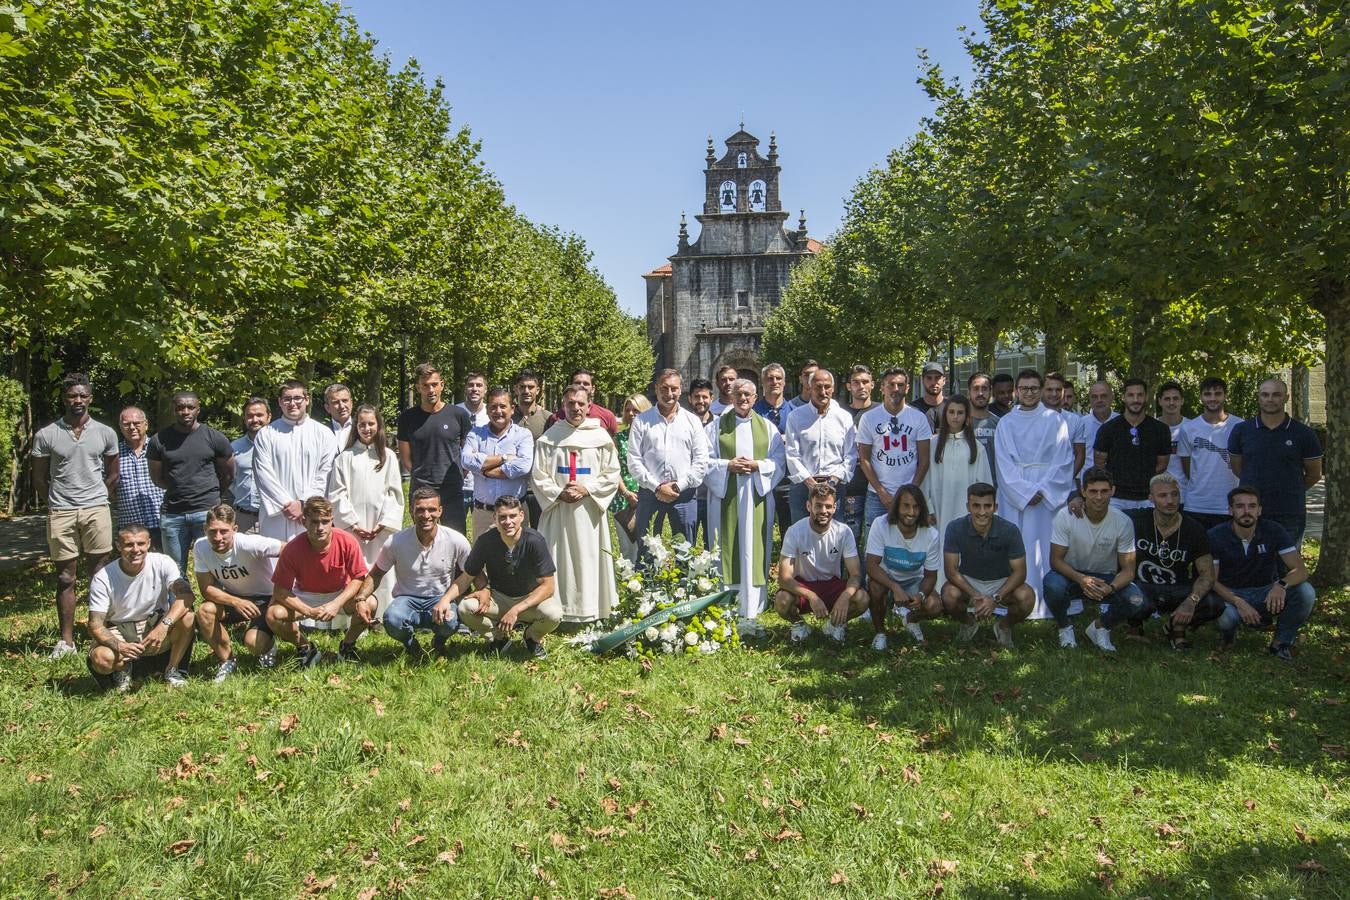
point(133, 424)
point(294, 399)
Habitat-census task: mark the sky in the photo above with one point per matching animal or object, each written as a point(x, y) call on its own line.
point(595, 116)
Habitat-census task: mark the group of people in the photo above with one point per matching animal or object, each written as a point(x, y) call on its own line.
point(982, 507)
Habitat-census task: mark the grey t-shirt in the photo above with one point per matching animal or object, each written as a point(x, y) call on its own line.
point(75, 467)
point(984, 435)
point(424, 571)
point(986, 558)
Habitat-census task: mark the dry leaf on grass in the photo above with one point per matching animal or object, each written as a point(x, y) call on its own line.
point(368, 893)
point(1303, 836)
point(619, 891)
point(910, 774)
point(287, 752)
point(288, 723)
point(609, 805)
point(178, 848)
point(99, 831)
point(838, 878)
point(314, 885)
point(941, 868)
point(1311, 865)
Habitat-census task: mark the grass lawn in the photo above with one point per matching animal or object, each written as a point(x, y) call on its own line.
point(799, 771)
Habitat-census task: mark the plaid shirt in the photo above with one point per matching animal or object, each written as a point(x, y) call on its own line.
point(138, 499)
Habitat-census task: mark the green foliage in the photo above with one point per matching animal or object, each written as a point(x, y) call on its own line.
point(222, 193)
point(12, 401)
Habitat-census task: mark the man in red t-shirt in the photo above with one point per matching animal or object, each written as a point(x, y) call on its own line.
point(319, 574)
point(586, 378)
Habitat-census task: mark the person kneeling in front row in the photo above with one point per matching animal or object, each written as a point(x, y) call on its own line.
point(818, 570)
point(511, 573)
point(985, 561)
point(140, 614)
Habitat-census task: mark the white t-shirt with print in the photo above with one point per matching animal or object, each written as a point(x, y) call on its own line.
point(819, 557)
point(894, 440)
point(904, 559)
point(132, 598)
point(243, 571)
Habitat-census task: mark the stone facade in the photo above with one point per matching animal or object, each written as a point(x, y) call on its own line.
point(706, 308)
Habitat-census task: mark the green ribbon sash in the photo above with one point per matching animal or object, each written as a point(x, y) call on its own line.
point(731, 511)
point(682, 610)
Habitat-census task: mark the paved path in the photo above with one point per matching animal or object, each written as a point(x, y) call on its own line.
point(1317, 501)
point(23, 541)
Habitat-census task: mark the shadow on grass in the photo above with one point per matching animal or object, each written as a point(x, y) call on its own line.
point(1147, 706)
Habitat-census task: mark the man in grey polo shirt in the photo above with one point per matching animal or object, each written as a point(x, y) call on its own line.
point(986, 565)
point(74, 467)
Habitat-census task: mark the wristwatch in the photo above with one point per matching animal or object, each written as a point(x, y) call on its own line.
point(167, 622)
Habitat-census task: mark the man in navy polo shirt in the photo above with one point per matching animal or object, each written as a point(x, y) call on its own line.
point(1278, 456)
point(1247, 554)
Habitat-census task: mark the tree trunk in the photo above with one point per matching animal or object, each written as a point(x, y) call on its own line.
point(374, 377)
point(986, 344)
point(1055, 354)
point(1143, 354)
point(20, 492)
point(1333, 567)
point(1298, 392)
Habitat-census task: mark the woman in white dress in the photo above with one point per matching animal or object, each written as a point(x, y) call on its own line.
point(958, 462)
point(366, 490)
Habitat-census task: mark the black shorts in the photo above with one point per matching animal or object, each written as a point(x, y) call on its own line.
point(232, 616)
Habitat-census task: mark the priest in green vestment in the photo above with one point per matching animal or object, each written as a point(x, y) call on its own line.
point(746, 462)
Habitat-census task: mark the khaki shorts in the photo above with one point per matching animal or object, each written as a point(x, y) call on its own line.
point(72, 532)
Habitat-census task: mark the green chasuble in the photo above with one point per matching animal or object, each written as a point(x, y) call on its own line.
point(731, 512)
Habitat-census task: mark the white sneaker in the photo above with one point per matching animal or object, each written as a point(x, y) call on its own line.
point(879, 642)
point(915, 632)
point(866, 616)
point(834, 631)
point(749, 628)
point(62, 648)
point(269, 659)
point(967, 632)
point(225, 670)
point(121, 679)
point(1101, 637)
point(175, 678)
point(800, 632)
point(1003, 634)
point(1066, 638)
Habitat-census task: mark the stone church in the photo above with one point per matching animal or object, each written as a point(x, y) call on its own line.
point(706, 308)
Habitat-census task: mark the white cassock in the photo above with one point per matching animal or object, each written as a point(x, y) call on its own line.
point(946, 482)
point(740, 545)
point(290, 462)
point(578, 533)
point(363, 497)
point(1034, 454)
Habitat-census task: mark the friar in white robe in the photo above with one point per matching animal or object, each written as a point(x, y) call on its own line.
point(1034, 454)
point(368, 502)
point(575, 476)
point(292, 458)
point(746, 461)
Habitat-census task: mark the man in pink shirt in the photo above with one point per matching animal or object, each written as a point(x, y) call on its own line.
point(320, 574)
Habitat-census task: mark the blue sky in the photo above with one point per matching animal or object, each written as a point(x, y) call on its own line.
point(595, 116)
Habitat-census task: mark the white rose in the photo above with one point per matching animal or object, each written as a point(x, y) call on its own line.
point(651, 634)
point(716, 645)
point(670, 634)
point(704, 585)
point(706, 647)
point(634, 585)
point(690, 638)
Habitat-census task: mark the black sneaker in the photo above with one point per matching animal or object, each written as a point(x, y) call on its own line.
point(347, 653)
point(535, 648)
point(413, 650)
point(499, 645)
point(308, 655)
point(1281, 651)
point(438, 645)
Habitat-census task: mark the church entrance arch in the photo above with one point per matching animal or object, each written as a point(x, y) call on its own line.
point(745, 361)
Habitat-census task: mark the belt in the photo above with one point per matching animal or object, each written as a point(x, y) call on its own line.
point(484, 506)
point(245, 509)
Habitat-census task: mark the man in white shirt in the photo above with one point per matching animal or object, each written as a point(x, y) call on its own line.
point(821, 444)
point(234, 575)
point(818, 570)
point(475, 388)
point(1092, 558)
point(1101, 403)
point(425, 558)
point(1171, 399)
point(337, 401)
point(725, 377)
point(668, 456)
point(903, 556)
point(1053, 393)
point(893, 441)
point(140, 614)
point(1202, 448)
point(499, 455)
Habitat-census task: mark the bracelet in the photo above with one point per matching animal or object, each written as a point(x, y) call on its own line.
point(1283, 585)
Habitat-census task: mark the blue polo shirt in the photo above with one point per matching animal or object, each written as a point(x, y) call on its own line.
point(775, 414)
point(1255, 565)
point(1272, 461)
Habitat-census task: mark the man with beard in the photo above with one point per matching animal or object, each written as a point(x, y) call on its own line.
point(979, 390)
point(933, 379)
point(1278, 456)
point(74, 468)
point(1248, 553)
point(1173, 565)
point(724, 377)
point(257, 413)
point(818, 570)
point(191, 461)
point(1133, 447)
point(585, 379)
point(1100, 400)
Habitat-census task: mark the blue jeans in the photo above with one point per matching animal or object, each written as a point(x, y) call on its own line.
point(873, 508)
point(652, 514)
point(1116, 607)
point(405, 615)
point(1298, 604)
point(851, 514)
point(180, 531)
point(696, 510)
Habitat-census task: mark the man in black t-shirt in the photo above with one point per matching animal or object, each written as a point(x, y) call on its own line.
point(1133, 447)
point(430, 439)
point(511, 572)
point(1173, 565)
point(192, 462)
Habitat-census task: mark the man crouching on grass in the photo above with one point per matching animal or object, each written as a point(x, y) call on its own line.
point(818, 570)
point(134, 623)
point(319, 574)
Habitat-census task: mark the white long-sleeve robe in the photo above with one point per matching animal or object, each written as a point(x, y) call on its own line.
point(578, 533)
point(365, 498)
point(752, 597)
point(946, 482)
point(291, 461)
point(1034, 454)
